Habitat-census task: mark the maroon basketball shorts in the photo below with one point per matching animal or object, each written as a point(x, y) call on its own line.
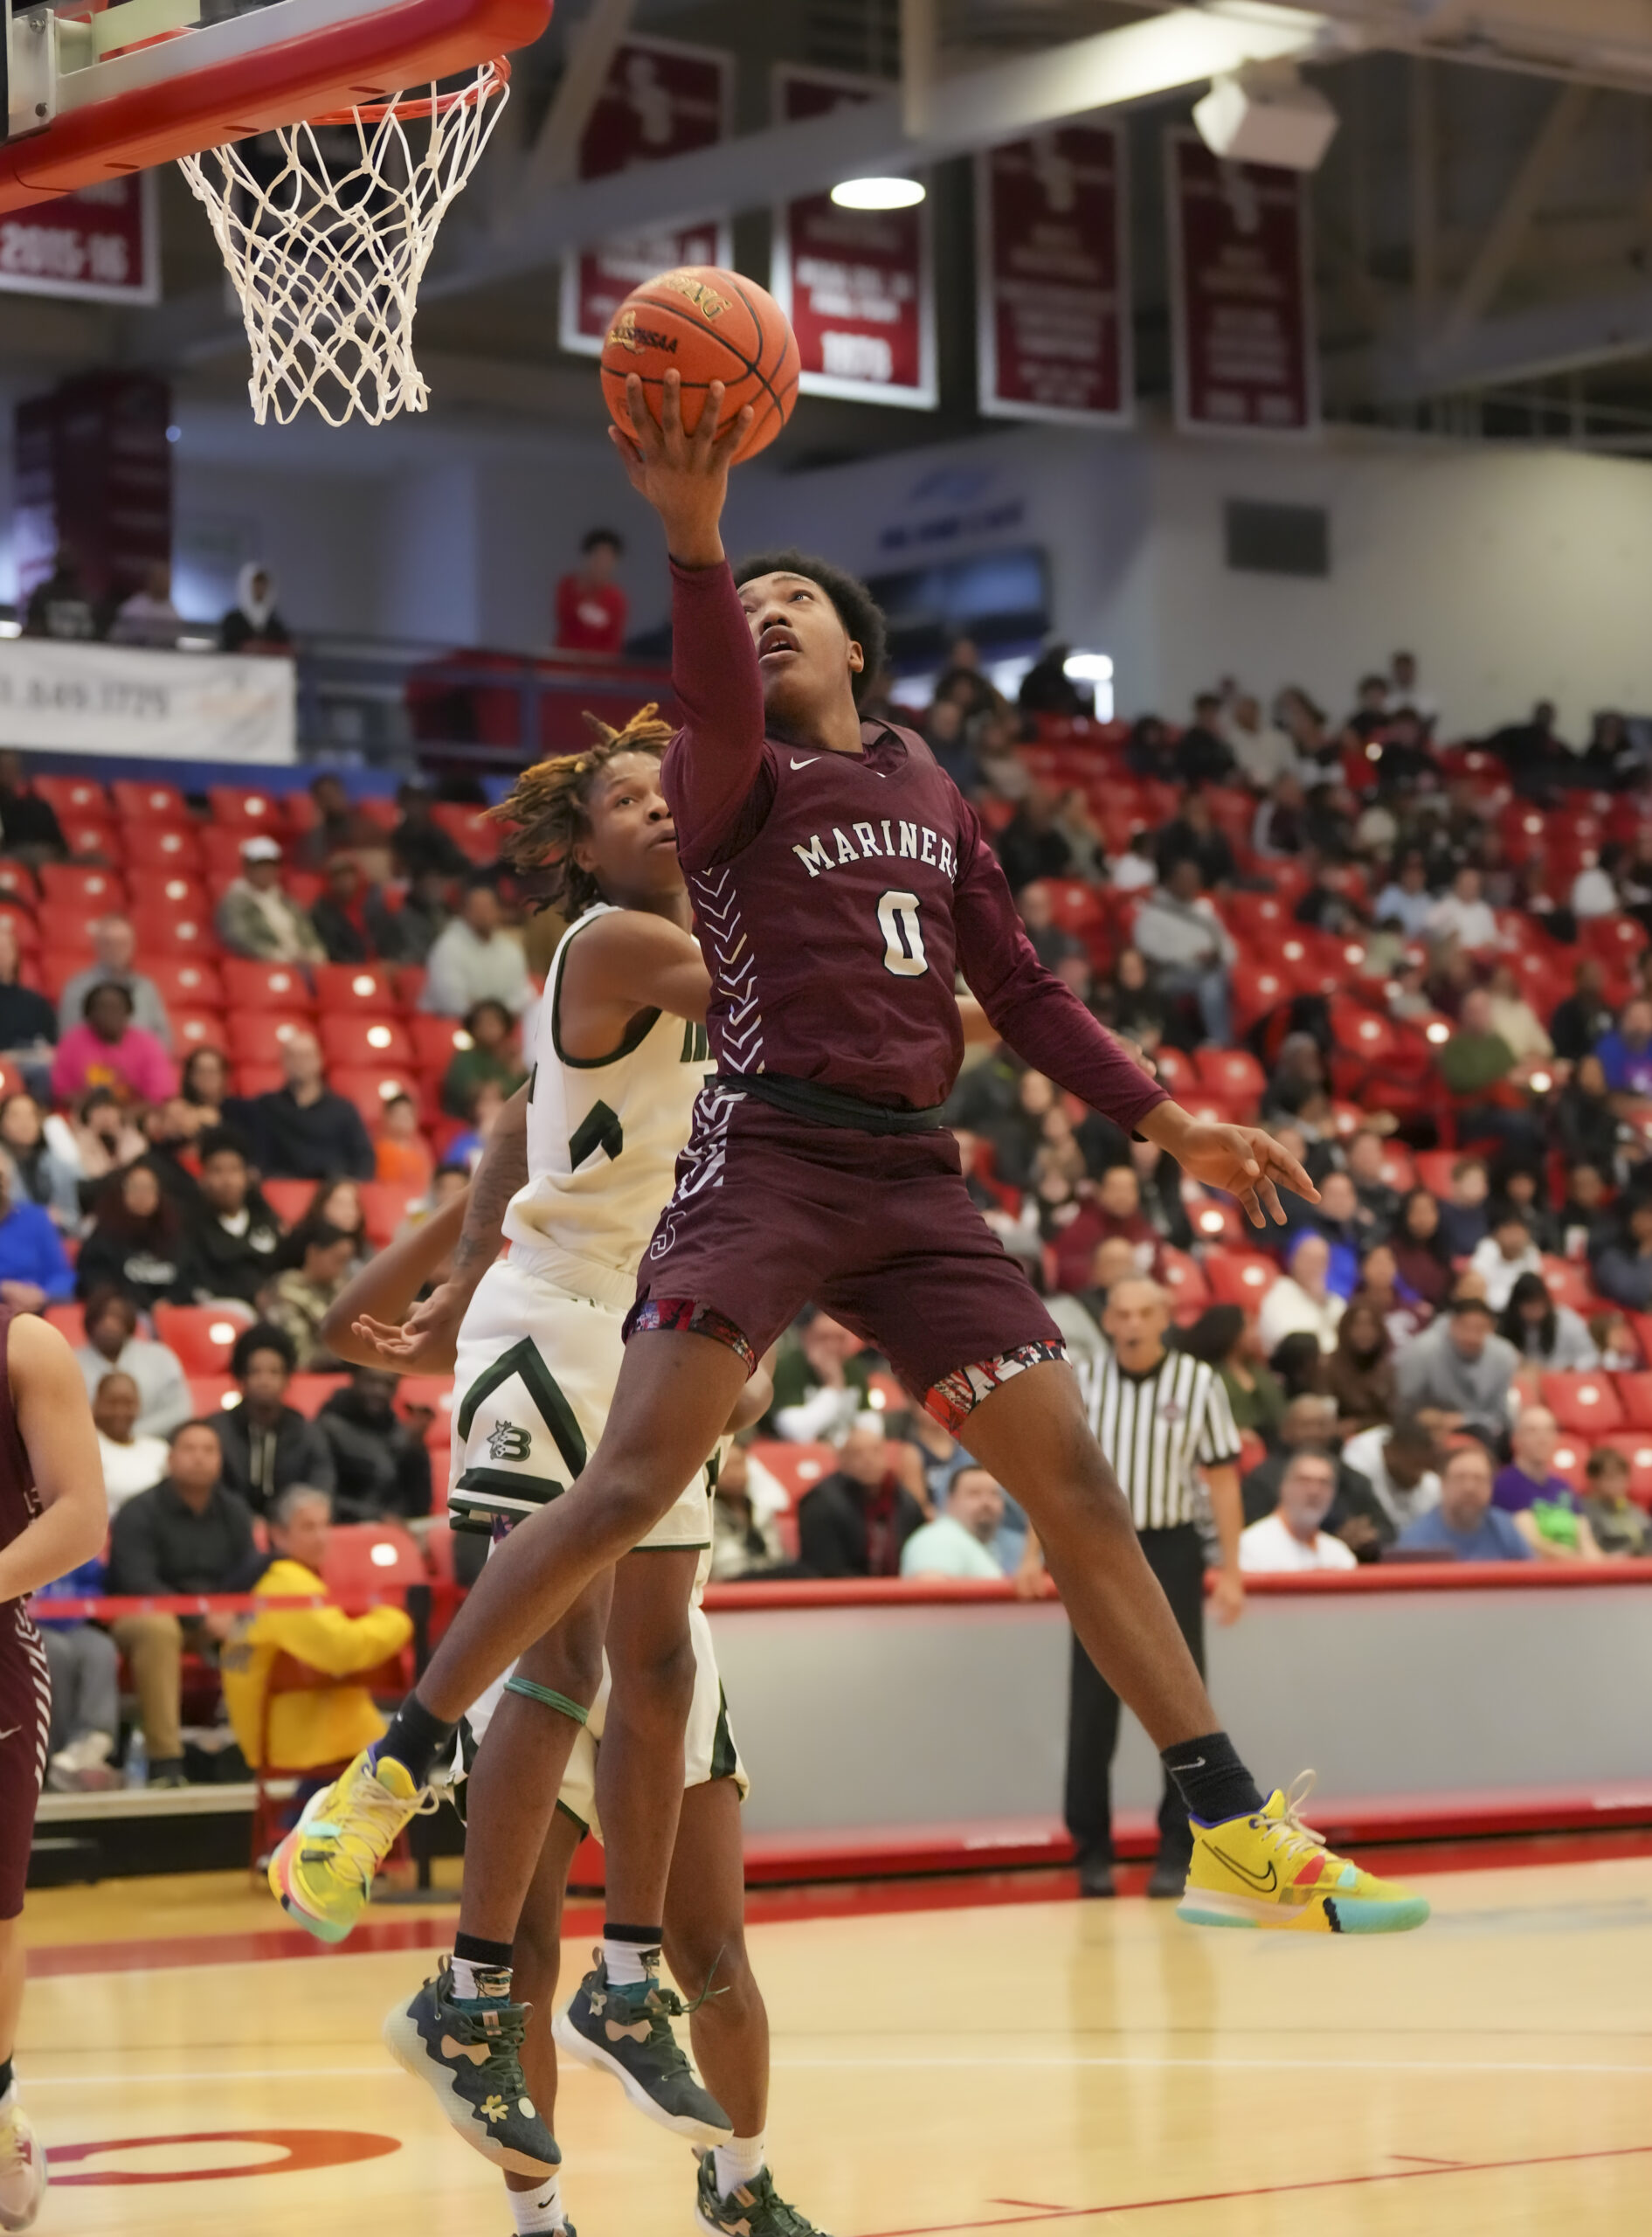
point(25, 1720)
point(773, 1213)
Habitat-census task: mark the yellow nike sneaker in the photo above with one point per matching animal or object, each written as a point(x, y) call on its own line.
point(1273, 1871)
point(322, 1874)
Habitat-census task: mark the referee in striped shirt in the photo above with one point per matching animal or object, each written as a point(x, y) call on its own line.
point(1159, 1416)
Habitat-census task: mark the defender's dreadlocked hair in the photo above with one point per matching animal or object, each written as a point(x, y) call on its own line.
point(548, 805)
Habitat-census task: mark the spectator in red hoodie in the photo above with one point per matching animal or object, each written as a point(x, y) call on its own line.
point(590, 606)
point(1113, 1214)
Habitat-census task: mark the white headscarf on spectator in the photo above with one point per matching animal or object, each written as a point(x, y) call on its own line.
point(256, 610)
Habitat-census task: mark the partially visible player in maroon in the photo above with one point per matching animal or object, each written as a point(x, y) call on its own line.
point(838, 881)
point(53, 1516)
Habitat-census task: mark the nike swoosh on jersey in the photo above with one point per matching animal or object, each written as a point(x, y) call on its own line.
point(1243, 1871)
point(10, 1732)
point(809, 764)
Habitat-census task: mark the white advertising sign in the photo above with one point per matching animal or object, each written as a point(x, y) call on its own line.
point(61, 698)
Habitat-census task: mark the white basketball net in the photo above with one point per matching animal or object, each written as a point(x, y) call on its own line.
point(327, 254)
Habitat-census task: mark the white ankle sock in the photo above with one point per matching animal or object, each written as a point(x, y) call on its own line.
point(467, 1975)
point(738, 2161)
point(624, 1962)
point(538, 2212)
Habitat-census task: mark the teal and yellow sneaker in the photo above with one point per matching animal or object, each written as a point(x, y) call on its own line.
point(753, 2209)
point(469, 2049)
point(321, 1874)
point(1272, 1871)
point(625, 2032)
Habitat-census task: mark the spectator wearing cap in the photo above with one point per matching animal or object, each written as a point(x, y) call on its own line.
point(591, 608)
point(267, 1444)
point(476, 960)
point(1465, 1526)
point(112, 1342)
point(1547, 1510)
point(1458, 1372)
point(106, 1049)
point(258, 918)
point(1505, 1256)
point(1291, 1540)
point(303, 1130)
point(352, 920)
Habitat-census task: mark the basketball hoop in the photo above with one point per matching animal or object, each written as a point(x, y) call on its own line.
point(325, 250)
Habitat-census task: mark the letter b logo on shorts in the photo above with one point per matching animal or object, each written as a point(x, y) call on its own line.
point(509, 1443)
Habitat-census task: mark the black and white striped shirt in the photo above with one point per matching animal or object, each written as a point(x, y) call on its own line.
point(1157, 1429)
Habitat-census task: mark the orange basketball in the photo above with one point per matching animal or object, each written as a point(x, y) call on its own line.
point(712, 325)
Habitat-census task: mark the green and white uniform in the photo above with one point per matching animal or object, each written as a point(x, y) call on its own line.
point(540, 1345)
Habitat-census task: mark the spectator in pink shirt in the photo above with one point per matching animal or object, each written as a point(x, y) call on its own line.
point(107, 1050)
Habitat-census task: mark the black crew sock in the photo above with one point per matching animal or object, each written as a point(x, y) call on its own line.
point(475, 1952)
point(415, 1739)
point(6, 2076)
point(1212, 1782)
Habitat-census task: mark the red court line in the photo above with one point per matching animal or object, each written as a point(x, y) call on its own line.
point(1277, 2190)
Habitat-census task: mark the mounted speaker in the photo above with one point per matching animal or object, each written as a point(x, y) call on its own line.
point(1267, 115)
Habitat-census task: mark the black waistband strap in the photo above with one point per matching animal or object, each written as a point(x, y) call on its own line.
point(830, 1107)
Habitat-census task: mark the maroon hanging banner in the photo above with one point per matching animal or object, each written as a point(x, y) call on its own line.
point(858, 284)
point(101, 241)
point(1052, 288)
point(1242, 285)
point(661, 98)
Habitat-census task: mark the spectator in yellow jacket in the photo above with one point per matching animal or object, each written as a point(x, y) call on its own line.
point(306, 1729)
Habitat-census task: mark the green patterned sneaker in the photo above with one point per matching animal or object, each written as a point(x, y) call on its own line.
point(469, 2049)
point(755, 2209)
point(625, 2032)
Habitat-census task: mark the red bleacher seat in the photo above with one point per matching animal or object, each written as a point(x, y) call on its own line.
point(410, 983)
point(797, 1468)
point(268, 985)
point(74, 885)
point(17, 884)
point(22, 921)
point(1239, 1276)
point(437, 1040)
point(1075, 906)
point(244, 809)
point(384, 1208)
point(187, 981)
point(213, 1393)
point(1397, 1169)
point(65, 930)
point(69, 1320)
point(201, 1335)
point(1586, 1405)
point(1364, 1032)
point(364, 1040)
point(167, 846)
point(346, 987)
point(1616, 938)
point(1177, 1071)
point(72, 796)
point(1218, 1218)
point(256, 1036)
point(434, 1393)
point(1256, 920)
point(85, 836)
point(309, 1393)
point(257, 1079)
point(1183, 1277)
point(370, 1088)
point(478, 839)
point(220, 847)
point(1434, 1170)
point(139, 801)
point(1571, 1460)
point(288, 1199)
point(1255, 993)
point(1635, 1397)
point(1568, 1283)
point(153, 888)
point(172, 931)
point(193, 1029)
point(378, 808)
point(1233, 1073)
point(371, 1557)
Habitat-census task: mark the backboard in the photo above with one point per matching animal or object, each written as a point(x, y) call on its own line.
point(117, 89)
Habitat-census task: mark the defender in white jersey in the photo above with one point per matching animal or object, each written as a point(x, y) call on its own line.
point(592, 1140)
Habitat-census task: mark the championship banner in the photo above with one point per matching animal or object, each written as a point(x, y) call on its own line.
point(100, 242)
point(1052, 290)
point(1241, 286)
point(661, 99)
point(858, 284)
point(69, 698)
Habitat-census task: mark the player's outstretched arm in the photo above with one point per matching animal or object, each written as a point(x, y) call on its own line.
point(684, 477)
point(626, 962)
point(54, 1419)
point(1245, 1161)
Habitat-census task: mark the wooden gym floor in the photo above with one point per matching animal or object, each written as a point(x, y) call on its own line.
point(1039, 2064)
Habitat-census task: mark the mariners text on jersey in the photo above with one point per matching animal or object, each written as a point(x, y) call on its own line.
point(901, 841)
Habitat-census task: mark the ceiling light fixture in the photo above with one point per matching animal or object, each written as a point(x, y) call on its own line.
point(878, 193)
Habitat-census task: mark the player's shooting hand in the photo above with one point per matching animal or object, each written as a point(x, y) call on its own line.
point(685, 477)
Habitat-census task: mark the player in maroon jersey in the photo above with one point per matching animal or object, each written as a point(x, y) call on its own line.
point(840, 881)
point(53, 1516)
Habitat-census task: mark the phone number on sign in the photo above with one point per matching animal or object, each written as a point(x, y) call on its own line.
point(65, 252)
